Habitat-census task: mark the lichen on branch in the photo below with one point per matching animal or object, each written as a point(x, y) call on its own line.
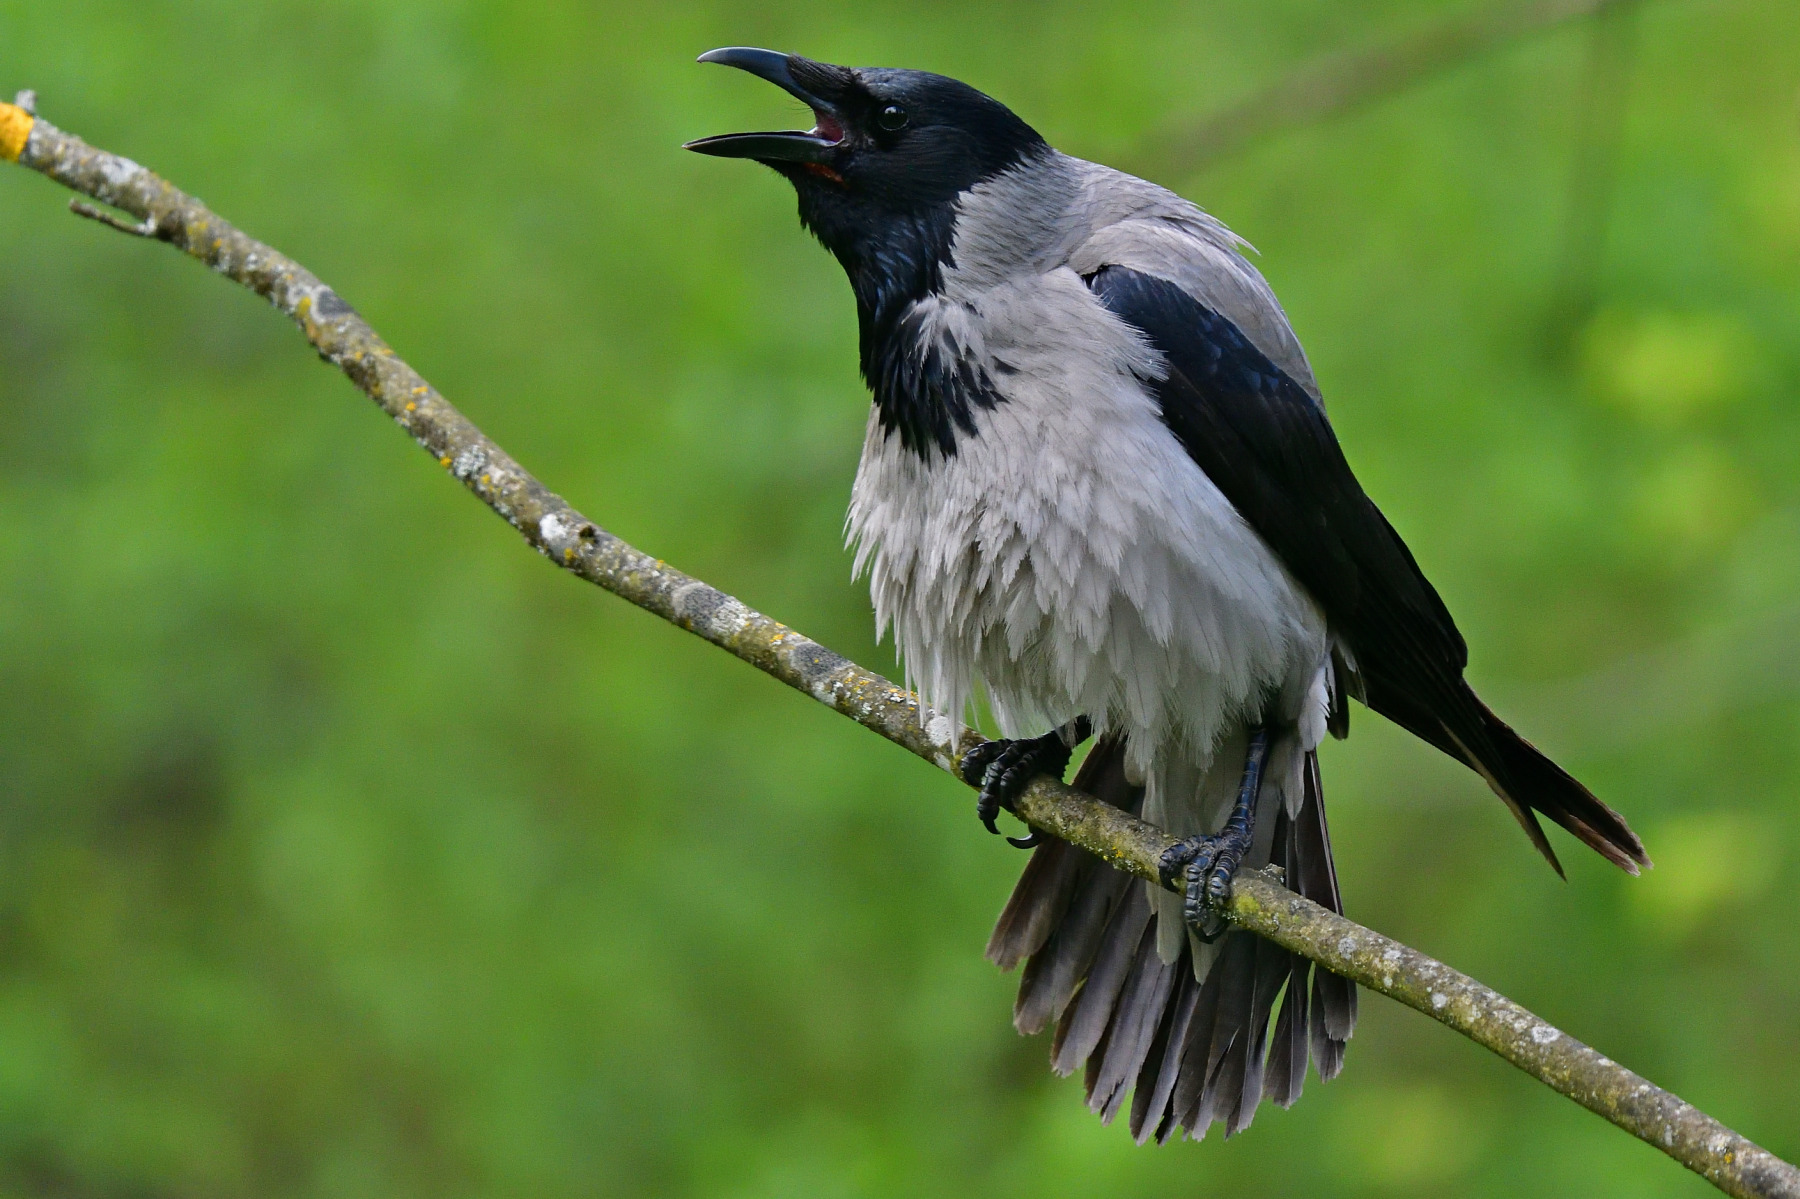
point(555, 529)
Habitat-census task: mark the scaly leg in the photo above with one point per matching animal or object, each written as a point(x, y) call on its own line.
point(1209, 860)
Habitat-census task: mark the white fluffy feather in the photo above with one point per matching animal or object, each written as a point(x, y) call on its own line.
point(1070, 557)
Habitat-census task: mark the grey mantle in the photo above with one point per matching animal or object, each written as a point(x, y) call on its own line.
point(158, 210)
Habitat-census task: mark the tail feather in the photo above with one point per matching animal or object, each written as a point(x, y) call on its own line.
point(1156, 1083)
point(1312, 872)
point(1529, 783)
point(1038, 904)
point(1195, 1064)
point(1305, 854)
point(1271, 973)
point(1187, 1051)
point(1529, 779)
point(1327, 1051)
point(1053, 974)
point(1090, 1016)
point(1286, 1067)
point(1056, 872)
point(1133, 1028)
point(1218, 1057)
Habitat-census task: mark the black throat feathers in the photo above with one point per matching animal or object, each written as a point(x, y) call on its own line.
point(925, 391)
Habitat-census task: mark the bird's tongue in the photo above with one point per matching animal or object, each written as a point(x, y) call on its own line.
point(827, 126)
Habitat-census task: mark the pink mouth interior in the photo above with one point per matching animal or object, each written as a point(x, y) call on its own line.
point(827, 127)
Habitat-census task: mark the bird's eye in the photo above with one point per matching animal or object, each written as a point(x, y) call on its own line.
point(892, 117)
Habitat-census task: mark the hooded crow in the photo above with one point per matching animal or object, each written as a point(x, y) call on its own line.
point(1098, 482)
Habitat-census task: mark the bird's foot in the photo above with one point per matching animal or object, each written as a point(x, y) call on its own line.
point(1206, 863)
point(1003, 769)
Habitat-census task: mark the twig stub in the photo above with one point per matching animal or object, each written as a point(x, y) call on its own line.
point(144, 228)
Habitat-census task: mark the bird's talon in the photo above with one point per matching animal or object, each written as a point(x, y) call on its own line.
point(1218, 884)
point(1177, 859)
point(1003, 769)
point(1205, 865)
point(1197, 906)
point(978, 761)
point(1190, 898)
point(1172, 862)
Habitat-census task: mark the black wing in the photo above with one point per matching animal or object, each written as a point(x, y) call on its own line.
point(1266, 444)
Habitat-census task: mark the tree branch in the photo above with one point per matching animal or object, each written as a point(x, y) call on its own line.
point(569, 539)
point(1341, 80)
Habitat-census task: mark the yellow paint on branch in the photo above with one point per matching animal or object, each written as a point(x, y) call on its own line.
point(15, 131)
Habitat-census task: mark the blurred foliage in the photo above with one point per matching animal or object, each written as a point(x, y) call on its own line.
point(348, 849)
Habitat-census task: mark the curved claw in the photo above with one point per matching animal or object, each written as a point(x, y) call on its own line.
point(1002, 769)
point(1030, 840)
point(987, 809)
point(980, 760)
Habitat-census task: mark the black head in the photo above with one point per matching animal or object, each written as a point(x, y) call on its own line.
point(886, 143)
point(878, 176)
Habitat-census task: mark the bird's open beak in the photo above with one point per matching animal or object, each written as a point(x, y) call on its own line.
point(811, 146)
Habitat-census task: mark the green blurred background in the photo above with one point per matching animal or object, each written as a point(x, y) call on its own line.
point(346, 848)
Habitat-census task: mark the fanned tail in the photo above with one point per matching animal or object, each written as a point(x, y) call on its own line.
point(1188, 1052)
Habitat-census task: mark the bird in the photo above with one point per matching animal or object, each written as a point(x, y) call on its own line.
point(1098, 486)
